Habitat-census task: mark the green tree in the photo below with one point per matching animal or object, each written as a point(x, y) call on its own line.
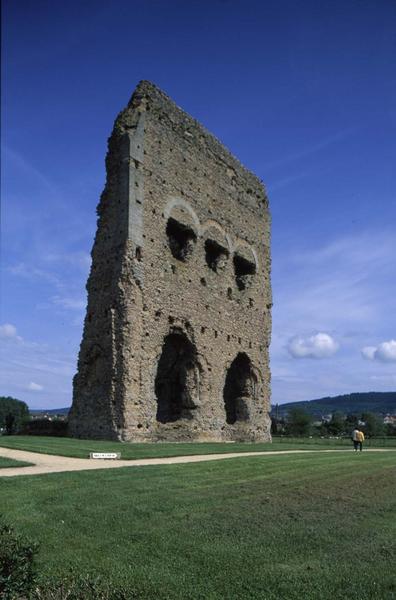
point(351, 421)
point(13, 413)
point(336, 425)
point(299, 422)
point(277, 426)
point(10, 424)
point(374, 425)
point(390, 429)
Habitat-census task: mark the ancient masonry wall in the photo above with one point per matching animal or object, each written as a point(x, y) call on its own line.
point(178, 323)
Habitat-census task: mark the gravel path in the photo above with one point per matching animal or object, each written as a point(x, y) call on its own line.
point(49, 463)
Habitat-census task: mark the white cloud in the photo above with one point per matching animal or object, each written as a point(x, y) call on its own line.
point(348, 282)
point(368, 352)
point(69, 303)
point(312, 149)
point(320, 345)
point(29, 172)
point(34, 387)
point(389, 379)
point(345, 287)
point(8, 331)
point(384, 352)
point(48, 365)
point(75, 259)
point(32, 273)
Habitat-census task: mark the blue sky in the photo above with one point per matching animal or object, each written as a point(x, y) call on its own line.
point(303, 92)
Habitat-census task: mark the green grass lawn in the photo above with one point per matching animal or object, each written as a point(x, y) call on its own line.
point(10, 462)
point(308, 526)
point(82, 448)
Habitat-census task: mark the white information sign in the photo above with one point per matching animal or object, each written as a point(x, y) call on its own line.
point(105, 455)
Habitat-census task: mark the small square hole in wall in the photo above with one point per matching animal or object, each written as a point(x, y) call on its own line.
point(138, 253)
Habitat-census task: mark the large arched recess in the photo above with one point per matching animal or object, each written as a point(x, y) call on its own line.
point(240, 389)
point(177, 381)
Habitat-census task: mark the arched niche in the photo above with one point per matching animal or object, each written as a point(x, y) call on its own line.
point(177, 382)
point(240, 389)
point(182, 229)
point(217, 246)
point(245, 266)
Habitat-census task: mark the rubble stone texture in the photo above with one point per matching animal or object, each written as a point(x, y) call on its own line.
point(178, 323)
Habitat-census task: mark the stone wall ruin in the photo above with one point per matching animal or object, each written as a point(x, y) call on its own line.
point(178, 323)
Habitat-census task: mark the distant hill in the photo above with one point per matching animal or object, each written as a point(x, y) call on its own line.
point(376, 402)
point(50, 411)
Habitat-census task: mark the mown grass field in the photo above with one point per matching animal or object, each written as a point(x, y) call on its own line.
point(306, 526)
point(10, 462)
point(82, 448)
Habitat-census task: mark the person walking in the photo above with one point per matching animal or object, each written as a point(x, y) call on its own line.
point(360, 440)
point(355, 433)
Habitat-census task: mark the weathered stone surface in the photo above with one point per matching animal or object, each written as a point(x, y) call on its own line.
point(178, 323)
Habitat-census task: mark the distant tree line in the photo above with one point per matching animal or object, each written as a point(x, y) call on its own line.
point(15, 418)
point(299, 422)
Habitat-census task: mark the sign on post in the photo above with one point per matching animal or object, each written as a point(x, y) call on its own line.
point(105, 455)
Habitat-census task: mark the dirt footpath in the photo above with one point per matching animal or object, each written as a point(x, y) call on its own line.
point(49, 463)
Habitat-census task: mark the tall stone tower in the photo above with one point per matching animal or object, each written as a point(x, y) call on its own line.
point(178, 323)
